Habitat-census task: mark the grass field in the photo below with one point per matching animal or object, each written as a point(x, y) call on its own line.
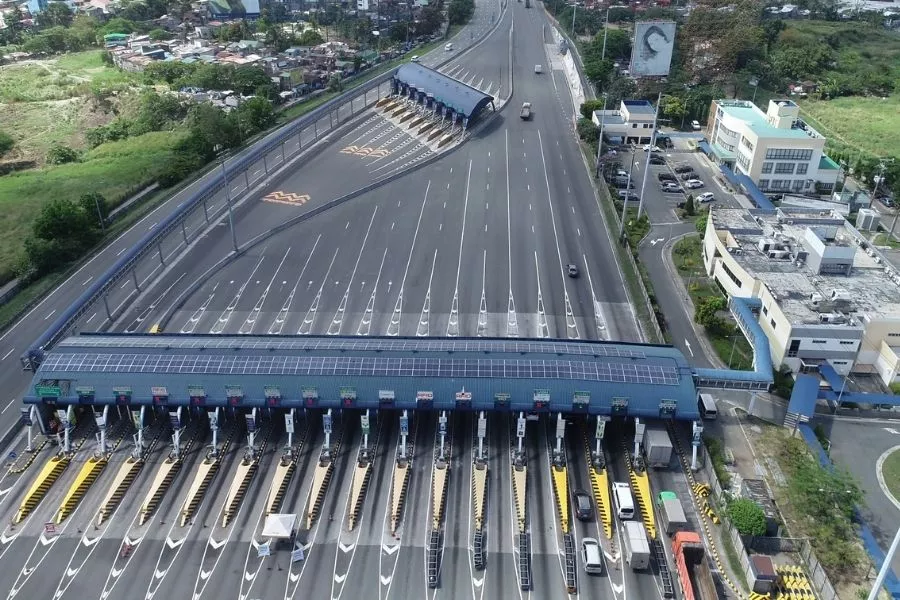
point(115, 170)
point(890, 471)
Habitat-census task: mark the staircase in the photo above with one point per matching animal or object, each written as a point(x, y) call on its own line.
point(434, 558)
point(525, 561)
point(659, 555)
point(478, 549)
point(571, 564)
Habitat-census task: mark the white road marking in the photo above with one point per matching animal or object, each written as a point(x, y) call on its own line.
point(425, 316)
point(250, 321)
point(394, 325)
point(512, 322)
point(86, 281)
point(50, 314)
point(220, 325)
point(338, 320)
point(92, 318)
point(306, 325)
point(453, 321)
point(5, 408)
point(5, 356)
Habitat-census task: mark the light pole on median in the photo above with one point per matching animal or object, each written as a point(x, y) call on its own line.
point(221, 157)
point(605, 28)
point(649, 151)
point(600, 139)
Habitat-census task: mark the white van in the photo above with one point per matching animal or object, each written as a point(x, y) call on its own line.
point(623, 499)
point(591, 556)
point(448, 47)
point(538, 69)
point(706, 405)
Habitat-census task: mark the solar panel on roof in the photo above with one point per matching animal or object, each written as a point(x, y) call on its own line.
point(364, 344)
point(365, 366)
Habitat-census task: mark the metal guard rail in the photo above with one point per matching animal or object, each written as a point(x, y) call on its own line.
point(32, 357)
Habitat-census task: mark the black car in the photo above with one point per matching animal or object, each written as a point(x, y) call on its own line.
point(688, 175)
point(572, 270)
point(683, 169)
point(657, 160)
point(666, 177)
point(584, 506)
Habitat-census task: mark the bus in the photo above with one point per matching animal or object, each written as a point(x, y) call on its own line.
point(706, 404)
point(624, 501)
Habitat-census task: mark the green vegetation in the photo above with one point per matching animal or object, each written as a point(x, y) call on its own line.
point(710, 307)
point(731, 555)
point(821, 502)
point(115, 170)
point(460, 11)
point(890, 471)
point(716, 450)
point(747, 516)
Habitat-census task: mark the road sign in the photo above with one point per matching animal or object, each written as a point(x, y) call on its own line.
point(404, 425)
point(297, 555)
point(326, 423)
point(175, 419)
point(263, 550)
point(424, 396)
point(50, 528)
point(214, 418)
point(85, 394)
point(310, 393)
point(501, 401)
point(520, 427)
point(364, 424)
point(272, 391)
point(482, 427)
point(251, 423)
point(582, 398)
point(101, 420)
point(463, 396)
point(159, 391)
point(349, 392)
point(424, 400)
point(136, 419)
point(48, 391)
point(667, 407)
point(289, 423)
point(442, 424)
point(25, 416)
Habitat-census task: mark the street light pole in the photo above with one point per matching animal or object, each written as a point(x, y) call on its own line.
point(646, 163)
point(882, 573)
point(600, 140)
point(228, 203)
point(574, 10)
point(100, 214)
point(627, 193)
point(605, 31)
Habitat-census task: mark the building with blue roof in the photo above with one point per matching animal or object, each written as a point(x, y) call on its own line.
point(775, 150)
point(436, 91)
point(604, 378)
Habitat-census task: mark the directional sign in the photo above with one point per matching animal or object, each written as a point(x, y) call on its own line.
point(442, 425)
point(464, 400)
point(25, 416)
point(234, 394)
point(47, 391)
point(404, 425)
point(289, 422)
point(175, 419)
point(364, 424)
point(541, 400)
point(619, 406)
point(100, 420)
point(424, 400)
point(297, 555)
point(160, 395)
point(85, 394)
point(667, 407)
point(385, 398)
point(520, 428)
point(122, 394)
point(263, 550)
point(501, 401)
point(326, 423)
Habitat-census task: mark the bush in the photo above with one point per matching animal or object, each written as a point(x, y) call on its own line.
point(6, 143)
point(747, 516)
point(716, 451)
point(59, 154)
point(588, 132)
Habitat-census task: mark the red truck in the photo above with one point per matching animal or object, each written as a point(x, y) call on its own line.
point(693, 571)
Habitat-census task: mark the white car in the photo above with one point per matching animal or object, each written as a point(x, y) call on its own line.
point(415, 58)
point(706, 197)
point(649, 148)
point(693, 184)
point(695, 125)
point(621, 173)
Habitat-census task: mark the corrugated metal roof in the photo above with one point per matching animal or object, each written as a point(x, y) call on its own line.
point(452, 93)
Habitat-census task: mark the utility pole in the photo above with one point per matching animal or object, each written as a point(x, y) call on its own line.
point(228, 201)
point(886, 565)
point(600, 140)
point(574, 10)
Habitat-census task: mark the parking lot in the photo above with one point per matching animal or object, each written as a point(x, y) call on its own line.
point(661, 205)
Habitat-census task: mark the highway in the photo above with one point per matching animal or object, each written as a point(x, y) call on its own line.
point(127, 556)
point(476, 243)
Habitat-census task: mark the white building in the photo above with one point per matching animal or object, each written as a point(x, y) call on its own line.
point(826, 295)
point(366, 5)
point(776, 149)
point(631, 124)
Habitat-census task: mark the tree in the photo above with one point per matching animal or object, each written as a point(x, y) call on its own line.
point(256, 113)
point(6, 143)
point(247, 79)
point(587, 131)
point(160, 34)
point(94, 205)
point(57, 14)
point(310, 37)
point(62, 233)
point(618, 43)
point(209, 125)
point(706, 312)
point(335, 83)
point(589, 106)
point(689, 209)
point(673, 107)
point(700, 223)
point(747, 516)
point(59, 154)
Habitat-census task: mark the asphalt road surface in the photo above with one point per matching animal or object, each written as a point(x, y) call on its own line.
point(124, 558)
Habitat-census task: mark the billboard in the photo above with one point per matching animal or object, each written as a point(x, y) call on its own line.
point(651, 55)
point(234, 8)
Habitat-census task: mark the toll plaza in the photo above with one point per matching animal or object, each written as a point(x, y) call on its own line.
point(301, 429)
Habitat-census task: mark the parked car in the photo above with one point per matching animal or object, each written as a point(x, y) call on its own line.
point(628, 195)
point(683, 169)
point(584, 507)
point(688, 176)
point(706, 197)
point(670, 188)
point(649, 148)
point(657, 160)
point(664, 141)
point(415, 58)
point(623, 183)
point(572, 270)
point(621, 173)
point(666, 177)
point(695, 125)
point(693, 184)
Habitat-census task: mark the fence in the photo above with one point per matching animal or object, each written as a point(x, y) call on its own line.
point(817, 576)
point(175, 233)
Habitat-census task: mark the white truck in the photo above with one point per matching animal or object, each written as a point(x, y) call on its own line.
point(637, 548)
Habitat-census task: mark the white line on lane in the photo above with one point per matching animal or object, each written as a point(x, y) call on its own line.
point(571, 325)
point(512, 323)
point(306, 325)
point(5, 408)
point(250, 321)
point(453, 322)
point(5, 356)
point(220, 325)
point(338, 320)
point(278, 324)
point(598, 313)
point(119, 253)
point(365, 324)
point(394, 325)
point(87, 281)
point(424, 326)
point(50, 314)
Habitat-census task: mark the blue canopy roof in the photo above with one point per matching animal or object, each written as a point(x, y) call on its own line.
point(462, 98)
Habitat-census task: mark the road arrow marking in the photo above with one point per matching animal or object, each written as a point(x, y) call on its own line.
point(204, 575)
point(390, 549)
point(174, 543)
point(386, 579)
point(160, 574)
point(116, 572)
point(45, 541)
point(478, 582)
point(340, 578)
point(688, 344)
point(5, 539)
point(347, 547)
point(216, 544)
point(71, 573)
